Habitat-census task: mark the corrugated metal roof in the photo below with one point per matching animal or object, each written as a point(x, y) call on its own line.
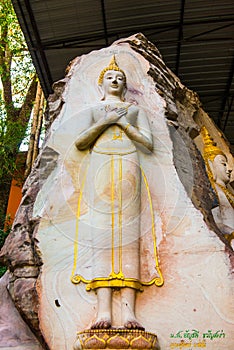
point(195, 38)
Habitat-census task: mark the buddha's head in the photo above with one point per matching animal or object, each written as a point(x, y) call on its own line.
point(112, 79)
point(220, 170)
point(215, 160)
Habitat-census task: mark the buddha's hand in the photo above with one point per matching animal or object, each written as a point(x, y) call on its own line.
point(114, 115)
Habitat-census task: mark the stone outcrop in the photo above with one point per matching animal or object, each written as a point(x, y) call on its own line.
point(29, 248)
point(185, 117)
point(14, 332)
point(20, 253)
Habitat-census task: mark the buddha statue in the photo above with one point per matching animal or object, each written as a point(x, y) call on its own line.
point(114, 132)
point(219, 175)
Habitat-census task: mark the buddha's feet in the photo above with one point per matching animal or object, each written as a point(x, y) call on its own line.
point(101, 323)
point(133, 324)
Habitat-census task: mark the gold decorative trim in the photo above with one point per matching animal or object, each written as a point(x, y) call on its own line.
point(229, 195)
point(116, 339)
point(77, 221)
point(142, 342)
point(112, 214)
point(210, 149)
point(94, 340)
point(113, 153)
point(159, 280)
point(112, 66)
point(127, 126)
point(117, 280)
point(113, 282)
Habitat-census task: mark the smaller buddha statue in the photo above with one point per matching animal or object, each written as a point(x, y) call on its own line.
point(219, 175)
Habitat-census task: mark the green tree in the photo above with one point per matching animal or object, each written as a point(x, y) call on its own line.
point(18, 84)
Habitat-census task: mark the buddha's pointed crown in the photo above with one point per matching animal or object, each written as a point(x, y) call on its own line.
point(112, 66)
point(210, 150)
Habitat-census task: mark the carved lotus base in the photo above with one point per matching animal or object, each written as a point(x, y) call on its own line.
point(116, 339)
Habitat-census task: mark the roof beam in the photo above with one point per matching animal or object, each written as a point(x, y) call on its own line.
point(104, 21)
point(157, 29)
point(228, 113)
point(226, 95)
point(37, 52)
point(210, 31)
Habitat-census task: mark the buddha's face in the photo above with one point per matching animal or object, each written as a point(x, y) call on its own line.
point(113, 83)
point(220, 170)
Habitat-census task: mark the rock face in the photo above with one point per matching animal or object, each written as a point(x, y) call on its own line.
point(14, 333)
point(194, 305)
point(20, 252)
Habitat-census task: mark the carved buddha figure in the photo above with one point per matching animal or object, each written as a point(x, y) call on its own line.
point(219, 174)
point(115, 131)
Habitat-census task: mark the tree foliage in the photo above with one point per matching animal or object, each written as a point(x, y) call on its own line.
point(17, 93)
